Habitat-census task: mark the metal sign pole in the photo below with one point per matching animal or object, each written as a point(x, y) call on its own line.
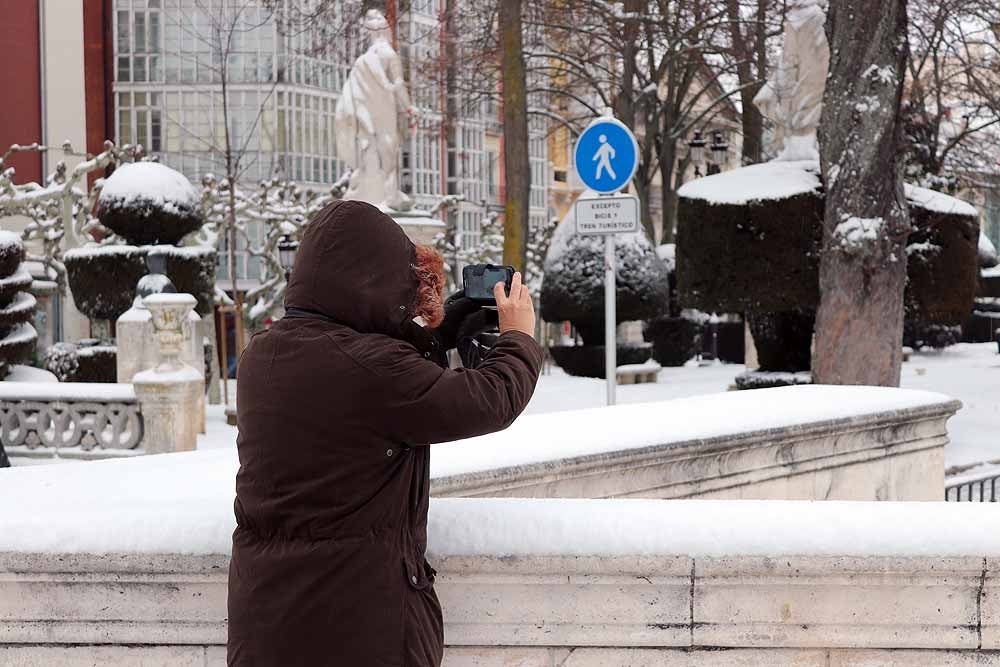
point(610, 338)
point(606, 157)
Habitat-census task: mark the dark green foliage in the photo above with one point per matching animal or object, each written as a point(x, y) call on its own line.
point(761, 256)
point(588, 360)
point(96, 364)
point(11, 256)
point(942, 267)
point(767, 380)
point(784, 339)
point(675, 339)
point(145, 222)
point(103, 280)
point(192, 271)
point(573, 286)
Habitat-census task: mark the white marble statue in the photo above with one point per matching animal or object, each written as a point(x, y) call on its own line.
point(793, 98)
point(372, 117)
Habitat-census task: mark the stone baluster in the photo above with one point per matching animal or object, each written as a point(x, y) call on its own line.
point(169, 392)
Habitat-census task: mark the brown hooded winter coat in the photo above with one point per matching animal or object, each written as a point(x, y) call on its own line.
point(337, 403)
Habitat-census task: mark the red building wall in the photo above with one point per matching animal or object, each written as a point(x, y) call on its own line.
point(20, 81)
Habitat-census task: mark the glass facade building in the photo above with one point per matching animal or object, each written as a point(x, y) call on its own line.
point(282, 89)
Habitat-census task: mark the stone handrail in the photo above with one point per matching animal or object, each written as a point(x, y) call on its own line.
point(70, 420)
point(808, 443)
point(575, 582)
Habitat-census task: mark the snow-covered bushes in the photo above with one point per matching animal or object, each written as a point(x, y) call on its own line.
point(61, 360)
point(149, 203)
point(573, 285)
point(17, 306)
point(749, 241)
point(85, 361)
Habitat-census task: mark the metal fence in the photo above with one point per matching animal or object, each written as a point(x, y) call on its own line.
point(982, 489)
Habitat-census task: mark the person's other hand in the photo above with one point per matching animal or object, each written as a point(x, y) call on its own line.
point(516, 310)
point(463, 318)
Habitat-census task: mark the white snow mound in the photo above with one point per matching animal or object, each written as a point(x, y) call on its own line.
point(938, 202)
point(148, 181)
point(758, 182)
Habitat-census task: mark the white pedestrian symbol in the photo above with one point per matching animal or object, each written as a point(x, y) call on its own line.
point(604, 154)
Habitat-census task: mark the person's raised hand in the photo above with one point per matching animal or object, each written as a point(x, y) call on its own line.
point(516, 310)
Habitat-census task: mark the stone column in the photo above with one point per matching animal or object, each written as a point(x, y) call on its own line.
point(137, 346)
point(169, 392)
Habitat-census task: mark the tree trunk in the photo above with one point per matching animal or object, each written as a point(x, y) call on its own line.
point(517, 167)
point(747, 57)
point(668, 160)
point(859, 324)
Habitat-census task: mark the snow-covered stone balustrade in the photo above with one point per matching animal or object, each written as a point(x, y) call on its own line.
point(137, 575)
point(805, 443)
point(71, 419)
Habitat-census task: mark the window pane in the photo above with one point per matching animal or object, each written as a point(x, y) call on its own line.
point(123, 33)
point(154, 131)
point(124, 127)
point(139, 71)
point(124, 71)
point(140, 32)
point(154, 31)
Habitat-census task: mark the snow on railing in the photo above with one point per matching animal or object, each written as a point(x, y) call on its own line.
point(75, 419)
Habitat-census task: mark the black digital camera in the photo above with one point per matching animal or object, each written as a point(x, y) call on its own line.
point(478, 281)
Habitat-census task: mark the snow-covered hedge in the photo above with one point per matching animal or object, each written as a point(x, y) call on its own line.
point(103, 279)
point(149, 203)
point(749, 239)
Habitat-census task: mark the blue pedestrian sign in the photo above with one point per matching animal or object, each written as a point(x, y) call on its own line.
point(606, 155)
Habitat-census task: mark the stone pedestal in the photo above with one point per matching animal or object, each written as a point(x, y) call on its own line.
point(137, 347)
point(170, 392)
point(418, 225)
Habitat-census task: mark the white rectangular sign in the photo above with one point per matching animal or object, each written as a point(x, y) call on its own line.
point(607, 215)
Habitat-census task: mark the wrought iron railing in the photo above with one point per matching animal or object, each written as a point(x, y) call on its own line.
point(984, 489)
point(71, 420)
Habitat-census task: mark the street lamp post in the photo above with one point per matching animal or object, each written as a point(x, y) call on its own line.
point(696, 154)
point(719, 150)
point(287, 247)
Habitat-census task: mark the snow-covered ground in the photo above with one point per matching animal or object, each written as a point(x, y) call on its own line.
point(970, 373)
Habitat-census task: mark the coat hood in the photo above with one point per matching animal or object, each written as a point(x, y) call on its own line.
point(354, 265)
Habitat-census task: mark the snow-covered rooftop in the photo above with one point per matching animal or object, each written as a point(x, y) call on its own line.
point(150, 181)
point(758, 182)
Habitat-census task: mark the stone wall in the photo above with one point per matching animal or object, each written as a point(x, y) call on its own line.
point(59, 610)
point(876, 454)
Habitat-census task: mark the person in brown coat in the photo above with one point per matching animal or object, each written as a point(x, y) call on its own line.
point(336, 406)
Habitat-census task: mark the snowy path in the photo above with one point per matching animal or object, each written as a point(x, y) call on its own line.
point(970, 373)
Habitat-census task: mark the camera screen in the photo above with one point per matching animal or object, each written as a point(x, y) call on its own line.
point(493, 276)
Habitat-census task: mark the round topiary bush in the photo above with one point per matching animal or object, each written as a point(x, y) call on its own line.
point(149, 203)
point(573, 285)
point(675, 340)
point(588, 360)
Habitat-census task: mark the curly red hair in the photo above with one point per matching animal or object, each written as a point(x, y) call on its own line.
point(428, 269)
